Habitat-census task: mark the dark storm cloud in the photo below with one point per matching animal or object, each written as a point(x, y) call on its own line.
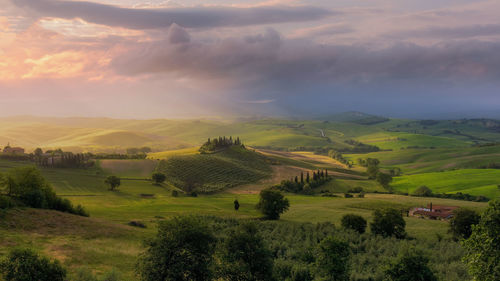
point(449, 32)
point(268, 57)
point(191, 17)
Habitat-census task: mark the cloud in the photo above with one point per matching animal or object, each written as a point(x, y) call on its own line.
point(322, 30)
point(189, 17)
point(269, 58)
point(454, 32)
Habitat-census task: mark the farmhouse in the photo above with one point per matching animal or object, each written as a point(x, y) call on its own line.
point(434, 212)
point(13, 150)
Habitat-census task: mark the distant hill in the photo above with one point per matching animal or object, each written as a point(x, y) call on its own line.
point(216, 171)
point(355, 117)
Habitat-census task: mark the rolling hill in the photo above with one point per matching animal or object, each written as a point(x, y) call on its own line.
point(216, 171)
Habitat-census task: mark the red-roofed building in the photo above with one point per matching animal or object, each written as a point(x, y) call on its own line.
point(434, 212)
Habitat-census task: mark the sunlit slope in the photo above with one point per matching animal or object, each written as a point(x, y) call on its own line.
point(217, 171)
point(472, 181)
point(105, 134)
point(413, 161)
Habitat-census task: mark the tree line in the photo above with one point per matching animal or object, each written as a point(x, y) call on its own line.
point(304, 184)
point(212, 145)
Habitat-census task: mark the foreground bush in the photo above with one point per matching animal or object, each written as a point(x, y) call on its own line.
point(181, 250)
point(245, 257)
point(333, 259)
point(354, 222)
point(25, 264)
point(483, 246)
point(410, 267)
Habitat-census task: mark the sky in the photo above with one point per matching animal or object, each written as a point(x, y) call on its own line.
point(299, 58)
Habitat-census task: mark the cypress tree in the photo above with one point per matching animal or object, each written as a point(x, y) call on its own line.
point(296, 179)
point(307, 177)
point(301, 177)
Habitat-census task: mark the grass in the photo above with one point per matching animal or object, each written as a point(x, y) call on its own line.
point(413, 161)
point(473, 181)
point(128, 168)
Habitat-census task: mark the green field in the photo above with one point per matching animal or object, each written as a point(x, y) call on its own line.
point(472, 181)
point(105, 241)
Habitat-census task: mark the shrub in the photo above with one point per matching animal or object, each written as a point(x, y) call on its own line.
point(25, 264)
point(182, 250)
point(6, 202)
point(158, 178)
point(361, 195)
point(113, 182)
point(245, 257)
point(462, 221)
point(272, 204)
point(409, 267)
point(333, 259)
point(354, 222)
point(483, 254)
point(347, 195)
point(388, 222)
point(356, 189)
point(422, 191)
point(175, 193)
point(137, 224)
point(27, 185)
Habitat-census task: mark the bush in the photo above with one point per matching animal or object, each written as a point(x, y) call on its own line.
point(333, 259)
point(113, 182)
point(245, 256)
point(462, 221)
point(356, 189)
point(347, 195)
point(409, 267)
point(158, 178)
point(137, 224)
point(182, 250)
point(483, 254)
point(27, 185)
point(354, 222)
point(272, 204)
point(25, 264)
point(422, 191)
point(361, 195)
point(6, 202)
point(388, 222)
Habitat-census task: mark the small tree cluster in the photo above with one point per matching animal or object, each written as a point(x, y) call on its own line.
point(220, 143)
point(27, 186)
point(138, 150)
point(339, 157)
point(62, 159)
point(304, 184)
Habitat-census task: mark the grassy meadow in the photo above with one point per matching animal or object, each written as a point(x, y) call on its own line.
point(445, 160)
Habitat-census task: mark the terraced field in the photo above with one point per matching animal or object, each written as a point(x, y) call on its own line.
point(217, 171)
